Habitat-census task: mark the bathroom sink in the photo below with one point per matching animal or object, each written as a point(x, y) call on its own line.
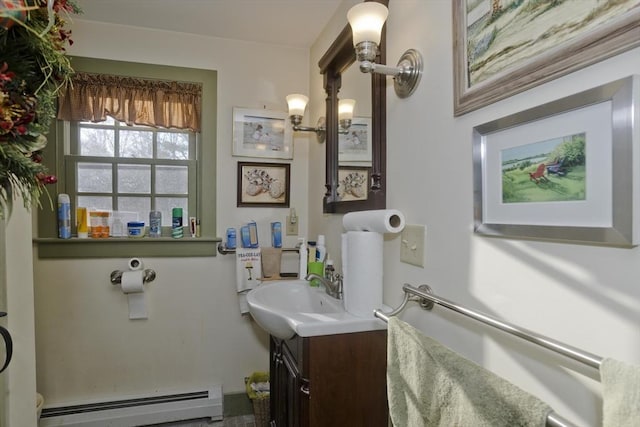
point(285, 308)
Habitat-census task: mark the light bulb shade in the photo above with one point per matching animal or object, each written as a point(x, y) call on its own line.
point(297, 104)
point(345, 109)
point(366, 20)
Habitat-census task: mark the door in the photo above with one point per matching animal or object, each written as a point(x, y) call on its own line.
point(18, 381)
point(3, 324)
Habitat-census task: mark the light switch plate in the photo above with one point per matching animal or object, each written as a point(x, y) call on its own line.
point(292, 229)
point(412, 245)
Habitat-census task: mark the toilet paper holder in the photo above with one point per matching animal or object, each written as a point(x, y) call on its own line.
point(148, 275)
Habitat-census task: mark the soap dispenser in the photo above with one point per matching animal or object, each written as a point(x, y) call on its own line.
point(302, 274)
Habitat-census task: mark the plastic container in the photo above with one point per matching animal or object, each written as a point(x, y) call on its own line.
point(177, 232)
point(99, 224)
point(253, 234)
point(321, 250)
point(231, 238)
point(155, 224)
point(135, 229)
point(302, 271)
point(64, 216)
point(82, 222)
point(244, 236)
point(276, 234)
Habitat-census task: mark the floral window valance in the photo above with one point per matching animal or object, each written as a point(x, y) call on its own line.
point(169, 104)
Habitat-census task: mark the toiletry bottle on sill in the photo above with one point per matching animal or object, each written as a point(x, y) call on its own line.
point(321, 250)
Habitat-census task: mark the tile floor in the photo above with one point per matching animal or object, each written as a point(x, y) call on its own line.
point(239, 421)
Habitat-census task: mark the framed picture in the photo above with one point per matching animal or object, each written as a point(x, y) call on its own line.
point(566, 170)
point(354, 145)
point(353, 183)
point(263, 184)
point(502, 47)
point(261, 133)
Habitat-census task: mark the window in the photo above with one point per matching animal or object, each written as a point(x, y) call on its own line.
point(132, 169)
point(140, 167)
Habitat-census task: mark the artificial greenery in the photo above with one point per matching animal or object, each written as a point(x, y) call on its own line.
point(33, 69)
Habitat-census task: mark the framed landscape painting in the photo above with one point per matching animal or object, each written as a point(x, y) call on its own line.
point(261, 133)
point(503, 47)
point(563, 171)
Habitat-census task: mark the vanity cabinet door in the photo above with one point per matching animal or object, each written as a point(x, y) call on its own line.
point(285, 385)
point(331, 380)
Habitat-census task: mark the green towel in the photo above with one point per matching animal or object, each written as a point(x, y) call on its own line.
point(430, 385)
point(620, 394)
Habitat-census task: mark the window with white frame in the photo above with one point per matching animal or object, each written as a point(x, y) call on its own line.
point(132, 170)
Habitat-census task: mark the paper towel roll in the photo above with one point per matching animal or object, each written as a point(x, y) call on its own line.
point(133, 287)
point(362, 267)
point(379, 221)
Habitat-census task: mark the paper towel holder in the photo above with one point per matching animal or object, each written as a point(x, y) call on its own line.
point(149, 275)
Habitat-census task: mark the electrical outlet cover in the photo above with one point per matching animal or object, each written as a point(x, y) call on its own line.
point(412, 245)
point(292, 229)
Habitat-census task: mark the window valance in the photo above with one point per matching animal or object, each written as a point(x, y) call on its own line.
point(169, 104)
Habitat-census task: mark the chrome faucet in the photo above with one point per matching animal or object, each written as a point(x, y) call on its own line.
point(333, 286)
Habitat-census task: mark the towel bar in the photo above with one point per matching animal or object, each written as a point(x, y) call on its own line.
point(427, 299)
point(223, 250)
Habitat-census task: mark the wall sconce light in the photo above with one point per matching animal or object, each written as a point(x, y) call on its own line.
point(297, 105)
point(366, 20)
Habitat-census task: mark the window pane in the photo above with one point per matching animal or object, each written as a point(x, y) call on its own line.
point(95, 202)
point(141, 205)
point(96, 142)
point(173, 145)
point(136, 144)
point(172, 179)
point(134, 179)
point(94, 178)
point(166, 204)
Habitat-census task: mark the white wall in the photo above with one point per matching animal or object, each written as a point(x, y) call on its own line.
point(195, 335)
point(586, 296)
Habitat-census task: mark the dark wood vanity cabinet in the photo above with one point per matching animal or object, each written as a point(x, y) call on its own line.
point(330, 380)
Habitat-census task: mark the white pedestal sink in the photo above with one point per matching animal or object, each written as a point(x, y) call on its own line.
point(285, 308)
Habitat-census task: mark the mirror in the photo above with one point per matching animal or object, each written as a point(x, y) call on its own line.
point(354, 182)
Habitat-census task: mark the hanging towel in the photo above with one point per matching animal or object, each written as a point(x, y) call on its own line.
point(620, 394)
point(430, 385)
point(271, 260)
point(248, 273)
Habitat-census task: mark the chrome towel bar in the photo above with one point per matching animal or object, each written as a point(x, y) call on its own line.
point(427, 299)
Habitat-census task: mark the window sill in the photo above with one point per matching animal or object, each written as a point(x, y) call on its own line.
point(126, 247)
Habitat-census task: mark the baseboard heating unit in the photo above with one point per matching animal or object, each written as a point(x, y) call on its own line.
point(137, 411)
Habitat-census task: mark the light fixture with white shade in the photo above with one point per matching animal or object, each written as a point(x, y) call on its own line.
point(297, 105)
point(345, 112)
point(366, 20)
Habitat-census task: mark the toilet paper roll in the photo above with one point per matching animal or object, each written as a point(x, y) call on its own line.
point(132, 286)
point(379, 221)
point(362, 267)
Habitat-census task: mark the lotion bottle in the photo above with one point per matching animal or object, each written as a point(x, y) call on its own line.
point(302, 274)
point(321, 250)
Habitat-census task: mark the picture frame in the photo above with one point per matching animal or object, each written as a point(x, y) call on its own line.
point(355, 144)
point(492, 63)
point(262, 134)
point(263, 184)
point(509, 198)
point(353, 183)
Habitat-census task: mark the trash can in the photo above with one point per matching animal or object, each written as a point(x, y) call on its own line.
point(258, 390)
